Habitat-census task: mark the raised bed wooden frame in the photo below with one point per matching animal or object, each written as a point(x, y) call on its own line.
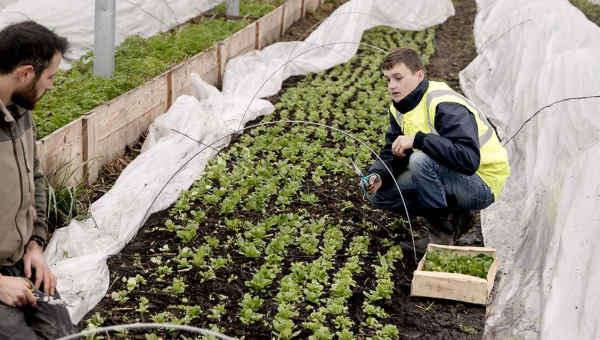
point(102, 134)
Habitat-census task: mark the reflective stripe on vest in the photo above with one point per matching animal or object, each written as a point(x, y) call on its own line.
point(438, 93)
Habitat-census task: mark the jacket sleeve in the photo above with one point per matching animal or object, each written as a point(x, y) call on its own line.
point(396, 164)
point(40, 228)
point(457, 146)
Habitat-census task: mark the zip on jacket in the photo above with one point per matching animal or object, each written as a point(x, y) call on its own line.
point(14, 142)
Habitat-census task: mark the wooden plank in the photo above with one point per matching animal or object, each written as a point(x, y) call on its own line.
point(311, 5)
point(114, 145)
point(204, 64)
point(92, 166)
point(454, 286)
point(118, 123)
point(463, 250)
point(449, 287)
point(491, 276)
point(132, 105)
point(63, 149)
point(269, 27)
point(239, 43)
point(292, 13)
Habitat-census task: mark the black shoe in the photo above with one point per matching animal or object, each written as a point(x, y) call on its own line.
point(438, 223)
point(462, 222)
point(420, 247)
point(440, 232)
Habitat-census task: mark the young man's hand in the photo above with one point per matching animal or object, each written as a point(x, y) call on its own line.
point(15, 292)
point(401, 144)
point(373, 185)
point(34, 259)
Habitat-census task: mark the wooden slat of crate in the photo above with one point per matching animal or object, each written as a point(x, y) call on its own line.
point(63, 146)
point(205, 65)
point(292, 12)
point(120, 122)
point(455, 286)
point(269, 27)
point(311, 5)
point(241, 42)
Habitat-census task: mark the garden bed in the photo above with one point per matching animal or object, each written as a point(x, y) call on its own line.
point(101, 135)
point(279, 217)
point(137, 60)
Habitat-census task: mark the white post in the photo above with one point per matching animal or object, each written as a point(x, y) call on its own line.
point(233, 8)
point(104, 38)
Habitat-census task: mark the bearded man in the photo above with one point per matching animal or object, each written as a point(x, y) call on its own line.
point(29, 58)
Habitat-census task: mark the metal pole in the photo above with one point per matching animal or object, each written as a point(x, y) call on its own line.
point(233, 8)
point(104, 38)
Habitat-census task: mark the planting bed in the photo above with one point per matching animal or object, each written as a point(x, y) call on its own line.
point(137, 60)
point(276, 239)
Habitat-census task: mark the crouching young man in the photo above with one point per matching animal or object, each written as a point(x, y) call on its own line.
point(29, 58)
point(442, 152)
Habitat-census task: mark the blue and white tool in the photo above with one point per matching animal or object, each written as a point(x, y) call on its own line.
point(364, 179)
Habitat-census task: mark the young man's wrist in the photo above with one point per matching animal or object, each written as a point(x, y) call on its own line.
point(419, 140)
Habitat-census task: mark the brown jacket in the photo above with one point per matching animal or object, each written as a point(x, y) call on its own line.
point(22, 187)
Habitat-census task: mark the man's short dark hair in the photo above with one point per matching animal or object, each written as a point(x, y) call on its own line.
point(29, 43)
point(406, 56)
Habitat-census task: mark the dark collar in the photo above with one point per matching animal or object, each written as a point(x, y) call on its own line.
point(411, 101)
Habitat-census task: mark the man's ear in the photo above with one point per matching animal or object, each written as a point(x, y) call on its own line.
point(25, 73)
point(421, 75)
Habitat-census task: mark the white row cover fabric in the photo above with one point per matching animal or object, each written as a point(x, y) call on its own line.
point(334, 42)
point(6, 3)
point(74, 19)
point(536, 76)
point(77, 253)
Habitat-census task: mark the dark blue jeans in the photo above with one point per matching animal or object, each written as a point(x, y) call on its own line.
point(430, 187)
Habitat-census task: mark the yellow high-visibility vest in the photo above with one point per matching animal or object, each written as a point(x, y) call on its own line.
point(493, 167)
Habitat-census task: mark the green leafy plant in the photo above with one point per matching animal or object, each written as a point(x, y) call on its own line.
point(451, 262)
point(65, 196)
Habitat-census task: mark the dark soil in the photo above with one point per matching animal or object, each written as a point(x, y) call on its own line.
point(415, 317)
point(455, 45)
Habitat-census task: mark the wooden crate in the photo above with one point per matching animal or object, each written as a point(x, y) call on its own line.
point(292, 12)
point(241, 42)
point(269, 27)
point(204, 64)
point(453, 286)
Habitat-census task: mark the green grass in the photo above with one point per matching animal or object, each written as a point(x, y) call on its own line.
point(256, 8)
point(591, 11)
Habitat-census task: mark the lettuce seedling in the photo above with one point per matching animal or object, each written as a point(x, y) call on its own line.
point(450, 262)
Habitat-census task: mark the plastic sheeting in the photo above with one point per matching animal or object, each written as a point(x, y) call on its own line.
point(536, 76)
point(334, 42)
point(74, 19)
point(77, 253)
point(6, 3)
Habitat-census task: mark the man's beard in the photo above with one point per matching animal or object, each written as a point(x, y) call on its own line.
point(26, 97)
